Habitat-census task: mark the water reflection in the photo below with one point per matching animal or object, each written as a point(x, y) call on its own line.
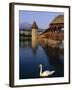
point(25, 44)
point(33, 54)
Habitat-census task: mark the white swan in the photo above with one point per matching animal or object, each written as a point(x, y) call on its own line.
point(45, 73)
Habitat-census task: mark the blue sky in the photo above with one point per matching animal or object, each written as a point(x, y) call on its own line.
point(42, 19)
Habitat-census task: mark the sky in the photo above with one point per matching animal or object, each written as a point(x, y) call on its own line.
point(43, 19)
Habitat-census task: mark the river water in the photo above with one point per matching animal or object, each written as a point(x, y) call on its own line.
point(30, 59)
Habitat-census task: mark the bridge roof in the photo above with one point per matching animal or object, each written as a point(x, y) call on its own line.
point(58, 19)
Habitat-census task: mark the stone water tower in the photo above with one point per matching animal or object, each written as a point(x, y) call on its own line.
point(34, 34)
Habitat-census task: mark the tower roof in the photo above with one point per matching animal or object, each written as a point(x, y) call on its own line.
point(58, 19)
point(34, 25)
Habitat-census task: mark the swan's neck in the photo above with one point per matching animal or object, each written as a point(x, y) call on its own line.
point(40, 69)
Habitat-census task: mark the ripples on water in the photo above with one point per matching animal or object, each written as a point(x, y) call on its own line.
point(30, 59)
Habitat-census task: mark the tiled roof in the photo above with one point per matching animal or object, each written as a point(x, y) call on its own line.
point(34, 25)
point(58, 19)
